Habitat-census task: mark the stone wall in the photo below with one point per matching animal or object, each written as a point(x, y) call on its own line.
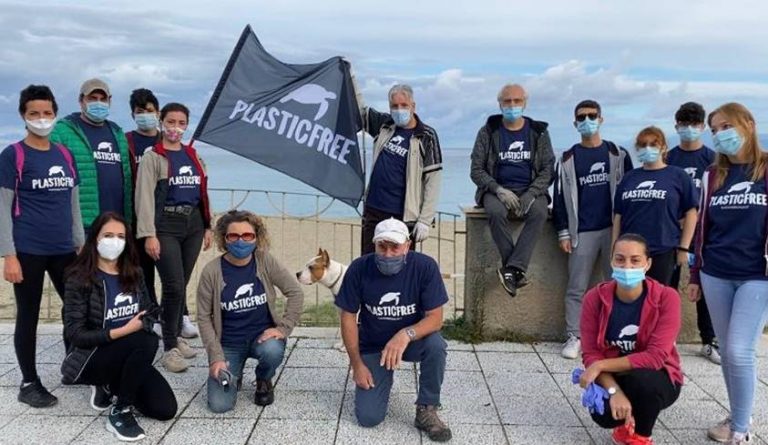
point(537, 312)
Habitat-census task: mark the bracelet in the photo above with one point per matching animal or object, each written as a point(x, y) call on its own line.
point(684, 249)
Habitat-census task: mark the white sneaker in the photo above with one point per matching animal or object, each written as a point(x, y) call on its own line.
point(721, 432)
point(572, 347)
point(188, 330)
point(710, 353)
point(740, 438)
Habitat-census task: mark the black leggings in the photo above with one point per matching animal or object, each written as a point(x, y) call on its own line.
point(703, 320)
point(126, 366)
point(649, 391)
point(28, 295)
point(180, 239)
point(663, 266)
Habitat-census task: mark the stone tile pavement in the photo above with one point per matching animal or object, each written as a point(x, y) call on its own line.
point(493, 393)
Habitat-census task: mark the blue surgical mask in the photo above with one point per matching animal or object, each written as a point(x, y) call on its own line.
point(512, 113)
point(389, 265)
point(728, 142)
point(241, 249)
point(628, 278)
point(146, 121)
point(588, 127)
point(97, 111)
point(401, 117)
point(689, 133)
point(648, 155)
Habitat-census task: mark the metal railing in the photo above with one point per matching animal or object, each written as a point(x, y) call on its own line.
point(298, 224)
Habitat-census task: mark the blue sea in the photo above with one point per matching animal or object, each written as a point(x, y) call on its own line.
point(230, 171)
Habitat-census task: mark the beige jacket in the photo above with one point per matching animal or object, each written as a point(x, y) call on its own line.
point(271, 273)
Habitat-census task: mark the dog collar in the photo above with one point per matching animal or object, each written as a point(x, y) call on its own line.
point(337, 280)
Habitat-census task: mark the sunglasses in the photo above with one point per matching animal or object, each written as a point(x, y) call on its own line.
point(247, 237)
point(591, 116)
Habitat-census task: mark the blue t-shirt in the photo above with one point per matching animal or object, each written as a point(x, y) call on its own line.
point(624, 323)
point(736, 213)
point(45, 199)
point(513, 170)
point(142, 143)
point(390, 303)
point(652, 203)
point(184, 182)
point(694, 163)
point(386, 191)
point(119, 306)
point(593, 185)
point(109, 166)
point(244, 310)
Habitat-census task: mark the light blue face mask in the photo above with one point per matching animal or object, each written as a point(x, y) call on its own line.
point(728, 142)
point(97, 111)
point(512, 113)
point(389, 265)
point(146, 121)
point(648, 155)
point(588, 127)
point(689, 133)
point(628, 278)
point(401, 117)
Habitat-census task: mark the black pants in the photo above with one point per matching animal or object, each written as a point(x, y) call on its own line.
point(126, 366)
point(663, 265)
point(180, 239)
point(649, 391)
point(513, 253)
point(28, 295)
point(703, 320)
point(371, 217)
point(148, 268)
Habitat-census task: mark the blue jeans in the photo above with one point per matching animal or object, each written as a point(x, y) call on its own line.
point(738, 310)
point(430, 351)
point(269, 354)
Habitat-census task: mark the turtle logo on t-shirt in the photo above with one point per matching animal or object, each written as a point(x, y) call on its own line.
point(245, 289)
point(745, 187)
point(390, 297)
point(389, 307)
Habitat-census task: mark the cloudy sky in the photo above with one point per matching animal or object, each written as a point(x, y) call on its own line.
point(641, 60)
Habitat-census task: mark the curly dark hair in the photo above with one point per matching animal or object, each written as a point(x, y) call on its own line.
point(690, 113)
point(236, 216)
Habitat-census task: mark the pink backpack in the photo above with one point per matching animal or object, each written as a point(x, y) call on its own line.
point(19, 150)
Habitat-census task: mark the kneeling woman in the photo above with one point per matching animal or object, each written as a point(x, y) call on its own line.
point(237, 312)
point(628, 330)
point(108, 319)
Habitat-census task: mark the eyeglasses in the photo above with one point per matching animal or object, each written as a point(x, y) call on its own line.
point(247, 237)
point(591, 116)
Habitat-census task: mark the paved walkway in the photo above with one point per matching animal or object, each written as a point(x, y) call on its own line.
point(494, 393)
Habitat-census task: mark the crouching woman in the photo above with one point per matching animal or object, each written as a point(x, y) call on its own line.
point(108, 319)
point(628, 330)
point(237, 312)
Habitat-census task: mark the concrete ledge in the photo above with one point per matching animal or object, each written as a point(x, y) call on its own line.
point(538, 310)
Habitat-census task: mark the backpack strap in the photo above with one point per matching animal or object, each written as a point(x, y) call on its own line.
point(68, 158)
point(19, 152)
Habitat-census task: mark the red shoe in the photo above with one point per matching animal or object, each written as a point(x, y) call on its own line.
point(637, 439)
point(622, 434)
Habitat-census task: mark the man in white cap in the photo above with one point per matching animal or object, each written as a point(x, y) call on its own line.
point(400, 296)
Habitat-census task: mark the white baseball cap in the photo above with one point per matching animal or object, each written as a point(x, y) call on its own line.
point(391, 230)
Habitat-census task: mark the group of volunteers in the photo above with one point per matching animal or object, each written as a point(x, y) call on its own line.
point(100, 210)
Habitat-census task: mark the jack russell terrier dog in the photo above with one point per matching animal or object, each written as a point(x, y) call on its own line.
point(323, 270)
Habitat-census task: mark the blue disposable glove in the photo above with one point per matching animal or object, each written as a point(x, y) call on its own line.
point(594, 396)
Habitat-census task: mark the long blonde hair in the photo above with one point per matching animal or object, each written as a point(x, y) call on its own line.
point(742, 120)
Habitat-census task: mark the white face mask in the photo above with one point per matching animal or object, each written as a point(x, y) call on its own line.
point(41, 127)
point(110, 248)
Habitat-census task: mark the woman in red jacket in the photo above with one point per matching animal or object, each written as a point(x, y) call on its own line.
point(628, 330)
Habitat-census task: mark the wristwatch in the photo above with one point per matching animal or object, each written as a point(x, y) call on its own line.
point(612, 391)
point(411, 333)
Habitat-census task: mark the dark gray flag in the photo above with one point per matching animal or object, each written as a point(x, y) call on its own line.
point(301, 120)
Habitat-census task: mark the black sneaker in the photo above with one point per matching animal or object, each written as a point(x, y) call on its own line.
point(508, 280)
point(101, 397)
point(265, 393)
point(122, 423)
point(521, 278)
point(36, 396)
